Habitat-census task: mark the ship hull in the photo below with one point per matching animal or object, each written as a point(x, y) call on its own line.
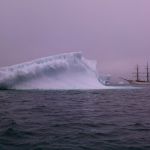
point(140, 83)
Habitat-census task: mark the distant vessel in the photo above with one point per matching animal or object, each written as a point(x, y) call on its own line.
point(139, 81)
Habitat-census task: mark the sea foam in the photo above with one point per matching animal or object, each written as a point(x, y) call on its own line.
point(64, 71)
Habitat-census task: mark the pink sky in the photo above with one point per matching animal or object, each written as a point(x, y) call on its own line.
point(114, 32)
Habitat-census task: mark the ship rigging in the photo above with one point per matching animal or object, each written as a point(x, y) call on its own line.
point(138, 79)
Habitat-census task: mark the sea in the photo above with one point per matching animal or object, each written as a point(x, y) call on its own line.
point(109, 119)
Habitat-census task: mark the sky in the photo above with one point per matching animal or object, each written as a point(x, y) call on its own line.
point(116, 33)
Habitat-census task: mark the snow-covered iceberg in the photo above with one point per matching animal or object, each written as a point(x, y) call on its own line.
point(64, 71)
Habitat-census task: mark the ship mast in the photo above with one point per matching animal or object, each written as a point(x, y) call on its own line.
point(137, 73)
point(147, 73)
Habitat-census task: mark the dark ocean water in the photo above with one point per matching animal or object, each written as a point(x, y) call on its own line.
point(75, 120)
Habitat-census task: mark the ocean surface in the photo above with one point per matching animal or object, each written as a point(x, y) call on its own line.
point(75, 120)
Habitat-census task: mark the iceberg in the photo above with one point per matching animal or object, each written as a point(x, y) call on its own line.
point(63, 71)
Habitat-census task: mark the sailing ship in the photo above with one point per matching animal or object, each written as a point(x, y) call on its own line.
point(138, 80)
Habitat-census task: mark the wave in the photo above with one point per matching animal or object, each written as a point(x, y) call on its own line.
point(64, 71)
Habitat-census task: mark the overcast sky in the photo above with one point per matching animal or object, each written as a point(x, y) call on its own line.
point(114, 32)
